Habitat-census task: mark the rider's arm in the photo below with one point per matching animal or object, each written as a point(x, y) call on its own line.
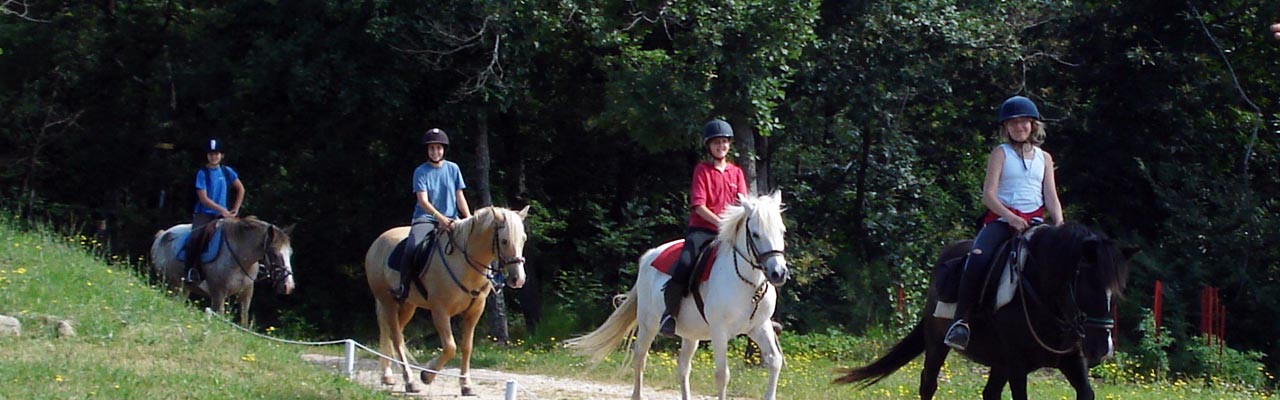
point(235, 205)
point(1052, 205)
point(463, 207)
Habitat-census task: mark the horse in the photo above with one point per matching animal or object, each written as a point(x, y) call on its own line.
point(246, 242)
point(456, 281)
point(1059, 317)
point(739, 298)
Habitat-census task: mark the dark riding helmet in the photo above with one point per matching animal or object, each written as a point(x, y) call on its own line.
point(214, 146)
point(716, 128)
point(435, 135)
point(1018, 106)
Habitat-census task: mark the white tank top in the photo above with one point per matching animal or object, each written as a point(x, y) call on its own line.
point(1022, 180)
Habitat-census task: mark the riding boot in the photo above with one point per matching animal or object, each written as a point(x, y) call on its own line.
point(408, 268)
point(970, 285)
point(192, 272)
point(673, 293)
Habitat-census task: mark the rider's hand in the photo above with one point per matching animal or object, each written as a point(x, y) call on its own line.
point(1019, 224)
point(228, 214)
point(446, 224)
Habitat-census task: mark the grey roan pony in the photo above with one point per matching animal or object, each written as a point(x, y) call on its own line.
point(248, 243)
point(1060, 318)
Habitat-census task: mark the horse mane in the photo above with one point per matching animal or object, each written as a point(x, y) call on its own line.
point(485, 216)
point(1065, 245)
point(768, 210)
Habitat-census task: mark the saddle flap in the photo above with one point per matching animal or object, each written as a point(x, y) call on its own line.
point(669, 256)
point(393, 259)
point(213, 235)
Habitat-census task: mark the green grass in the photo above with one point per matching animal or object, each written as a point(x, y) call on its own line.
point(133, 340)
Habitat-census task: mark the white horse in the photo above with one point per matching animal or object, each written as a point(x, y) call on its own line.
point(738, 298)
point(246, 241)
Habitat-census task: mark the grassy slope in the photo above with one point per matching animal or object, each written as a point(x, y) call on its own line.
point(135, 342)
point(132, 340)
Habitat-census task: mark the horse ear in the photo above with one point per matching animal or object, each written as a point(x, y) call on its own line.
point(524, 212)
point(288, 230)
point(776, 195)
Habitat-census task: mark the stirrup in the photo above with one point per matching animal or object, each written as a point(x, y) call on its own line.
point(957, 336)
point(192, 276)
point(667, 326)
point(401, 294)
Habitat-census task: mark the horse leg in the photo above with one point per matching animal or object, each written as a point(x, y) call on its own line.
point(685, 363)
point(1077, 373)
point(245, 297)
point(995, 384)
point(720, 348)
point(402, 353)
point(465, 341)
point(934, 357)
point(385, 326)
point(770, 355)
point(1018, 385)
point(448, 346)
point(646, 332)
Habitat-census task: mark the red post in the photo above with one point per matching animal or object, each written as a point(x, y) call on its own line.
point(902, 317)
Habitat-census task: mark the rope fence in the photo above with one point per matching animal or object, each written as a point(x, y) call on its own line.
point(349, 358)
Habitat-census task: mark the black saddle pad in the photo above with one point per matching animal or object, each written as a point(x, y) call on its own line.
point(393, 260)
point(949, 273)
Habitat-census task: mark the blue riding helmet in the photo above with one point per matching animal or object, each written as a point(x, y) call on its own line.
point(214, 146)
point(1016, 107)
point(716, 128)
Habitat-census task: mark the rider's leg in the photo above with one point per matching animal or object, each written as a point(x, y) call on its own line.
point(420, 229)
point(674, 291)
point(975, 270)
point(198, 221)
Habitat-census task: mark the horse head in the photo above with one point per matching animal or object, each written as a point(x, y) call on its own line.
point(508, 243)
point(1086, 271)
point(756, 225)
point(278, 258)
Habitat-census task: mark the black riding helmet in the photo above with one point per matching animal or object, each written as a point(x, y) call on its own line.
point(716, 128)
point(435, 135)
point(214, 146)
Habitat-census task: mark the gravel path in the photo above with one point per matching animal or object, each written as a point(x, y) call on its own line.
point(490, 384)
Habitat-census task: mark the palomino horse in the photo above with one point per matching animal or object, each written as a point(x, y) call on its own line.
point(458, 286)
point(246, 241)
point(738, 298)
point(1060, 317)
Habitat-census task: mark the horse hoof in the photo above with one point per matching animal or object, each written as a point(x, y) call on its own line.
point(467, 391)
point(412, 388)
point(427, 377)
point(388, 380)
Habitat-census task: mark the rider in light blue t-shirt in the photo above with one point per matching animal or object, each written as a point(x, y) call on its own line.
point(437, 186)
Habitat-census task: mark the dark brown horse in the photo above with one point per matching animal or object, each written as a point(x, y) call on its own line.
point(1059, 317)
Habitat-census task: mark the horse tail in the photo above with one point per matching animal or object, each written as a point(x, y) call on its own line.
point(609, 336)
point(902, 353)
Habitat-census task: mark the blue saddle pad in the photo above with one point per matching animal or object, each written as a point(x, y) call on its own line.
point(210, 251)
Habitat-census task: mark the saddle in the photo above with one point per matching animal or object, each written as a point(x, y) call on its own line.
point(701, 265)
point(208, 237)
point(421, 254)
point(1001, 279)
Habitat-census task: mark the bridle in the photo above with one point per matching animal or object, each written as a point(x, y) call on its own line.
point(275, 269)
point(1075, 322)
point(755, 259)
point(482, 268)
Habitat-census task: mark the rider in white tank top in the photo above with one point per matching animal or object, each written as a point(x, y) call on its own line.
point(1022, 180)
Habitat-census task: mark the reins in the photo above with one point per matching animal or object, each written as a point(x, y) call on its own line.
point(271, 266)
point(484, 269)
point(1077, 326)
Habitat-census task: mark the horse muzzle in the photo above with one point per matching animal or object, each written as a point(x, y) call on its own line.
point(776, 270)
point(515, 272)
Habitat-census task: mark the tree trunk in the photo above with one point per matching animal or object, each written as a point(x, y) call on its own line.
point(485, 196)
point(763, 186)
point(496, 310)
point(745, 135)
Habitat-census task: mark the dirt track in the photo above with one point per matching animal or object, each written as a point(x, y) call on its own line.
point(490, 384)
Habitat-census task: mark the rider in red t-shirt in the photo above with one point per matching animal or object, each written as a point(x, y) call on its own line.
point(716, 184)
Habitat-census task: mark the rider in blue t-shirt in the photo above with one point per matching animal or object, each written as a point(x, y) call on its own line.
point(212, 181)
point(437, 186)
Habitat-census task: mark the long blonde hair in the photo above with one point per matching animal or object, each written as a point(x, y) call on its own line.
point(1035, 139)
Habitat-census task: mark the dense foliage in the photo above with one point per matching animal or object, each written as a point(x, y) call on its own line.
point(873, 117)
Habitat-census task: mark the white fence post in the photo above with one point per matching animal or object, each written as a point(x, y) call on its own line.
point(511, 390)
point(351, 358)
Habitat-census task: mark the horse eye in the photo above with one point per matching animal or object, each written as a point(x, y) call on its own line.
point(504, 241)
point(755, 235)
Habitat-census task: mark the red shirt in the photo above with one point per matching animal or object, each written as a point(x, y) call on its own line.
point(714, 189)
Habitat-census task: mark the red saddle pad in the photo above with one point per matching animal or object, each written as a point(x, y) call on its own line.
point(668, 259)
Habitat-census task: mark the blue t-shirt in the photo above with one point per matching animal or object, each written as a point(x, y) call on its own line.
point(441, 184)
point(217, 182)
